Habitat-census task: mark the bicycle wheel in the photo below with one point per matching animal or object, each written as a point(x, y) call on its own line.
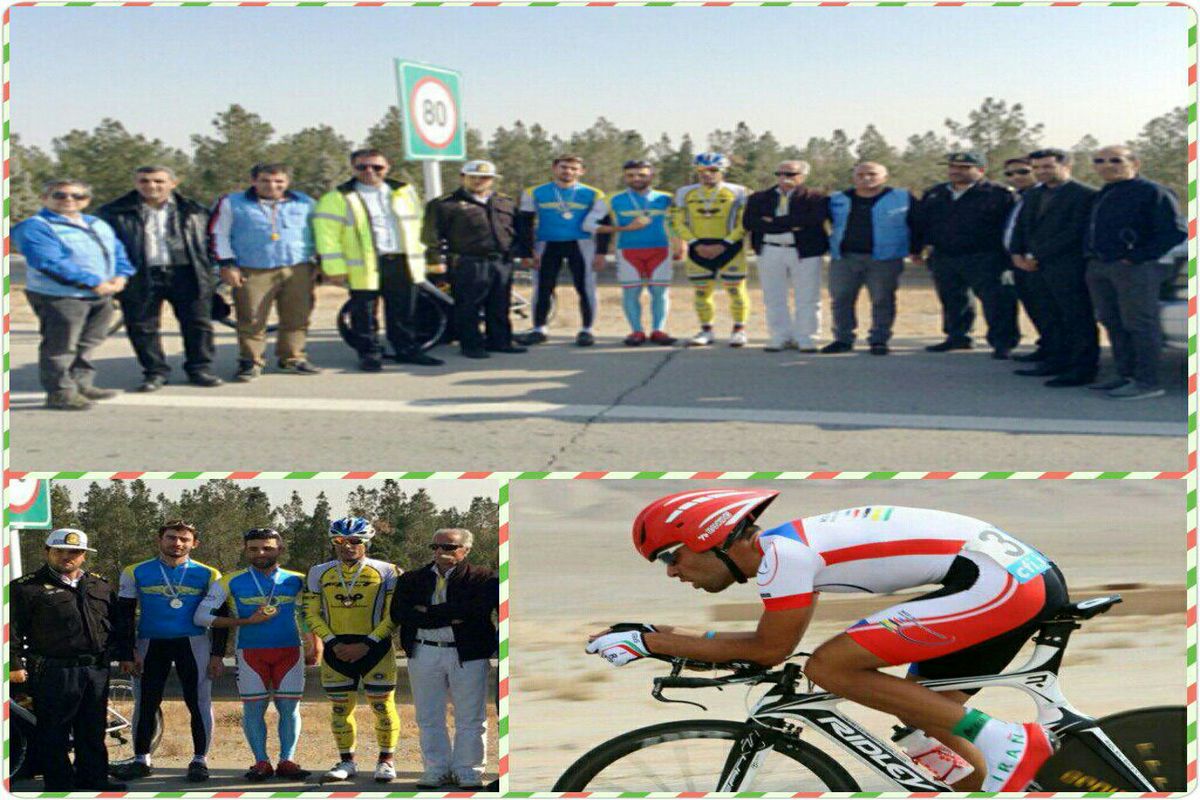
point(119, 730)
point(690, 755)
point(431, 320)
point(19, 763)
point(1154, 739)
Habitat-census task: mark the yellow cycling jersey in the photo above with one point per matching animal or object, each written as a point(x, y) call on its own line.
point(703, 213)
point(344, 599)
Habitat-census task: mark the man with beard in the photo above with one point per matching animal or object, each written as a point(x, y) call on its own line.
point(166, 590)
point(346, 605)
point(265, 603)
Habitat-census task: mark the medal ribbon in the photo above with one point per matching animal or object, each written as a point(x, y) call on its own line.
point(258, 586)
point(173, 588)
point(353, 580)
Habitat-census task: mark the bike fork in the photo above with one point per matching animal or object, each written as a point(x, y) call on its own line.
point(745, 757)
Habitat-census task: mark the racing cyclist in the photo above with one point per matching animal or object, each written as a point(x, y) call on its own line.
point(346, 605)
point(994, 589)
point(708, 217)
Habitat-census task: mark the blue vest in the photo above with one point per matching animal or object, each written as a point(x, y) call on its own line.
point(550, 202)
point(889, 224)
point(251, 235)
point(188, 582)
point(94, 253)
point(246, 596)
point(627, 206)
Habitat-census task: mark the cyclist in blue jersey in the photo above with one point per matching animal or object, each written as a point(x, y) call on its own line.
point(639, 217)
point(166, 589)
point(550, 232)
point(264, 604)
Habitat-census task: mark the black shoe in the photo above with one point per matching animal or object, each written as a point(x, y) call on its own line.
point(370, 363)
point(1108, 386)
point(153, 383)
point(532, 337)
point(1040, 371)
point(512, 348)
point(1027, 358)
point(949, 344)
point(837, 347)
point(205, 379)
point(247, 371)
point(475, 354)
point(420, 359)
point(132, 770)
point(1070, 380)
point(880, 349)
point(197, 772)
point(1000, 354)
point(584, 339)
point(299, 368)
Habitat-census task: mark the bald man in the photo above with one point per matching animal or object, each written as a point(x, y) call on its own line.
point(868, 243)
point(1134, 223)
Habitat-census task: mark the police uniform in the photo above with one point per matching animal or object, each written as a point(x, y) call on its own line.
point(60, 635)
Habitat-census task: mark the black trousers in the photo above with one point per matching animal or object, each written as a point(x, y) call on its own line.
point(141, 306)
point(71, 702)
point(1080, 337)
point(189, 655)
point(482, 285)
point(577, 255)
point(399, 295)
point(1038, 302)
point(956, 277)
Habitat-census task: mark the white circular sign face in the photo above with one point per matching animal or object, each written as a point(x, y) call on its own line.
point(21, 493)
point(434, 114)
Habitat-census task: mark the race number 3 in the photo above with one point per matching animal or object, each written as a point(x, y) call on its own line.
point(1022, 561)
point(433, 112)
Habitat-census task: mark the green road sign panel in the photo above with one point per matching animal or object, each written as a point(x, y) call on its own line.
point(431, 108)
point(28, 503)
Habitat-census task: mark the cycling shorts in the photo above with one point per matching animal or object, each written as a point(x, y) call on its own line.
point(263, 671)
point(644, 265)
point(974, 624)
point(376, 670)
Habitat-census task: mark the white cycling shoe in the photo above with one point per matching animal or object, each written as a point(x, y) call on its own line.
point(701, 339)
point(738, 339)
point(385, 772)
point(1014, 753)
point(341, 771)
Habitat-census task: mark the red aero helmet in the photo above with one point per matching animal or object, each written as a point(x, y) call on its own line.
point(699, 519)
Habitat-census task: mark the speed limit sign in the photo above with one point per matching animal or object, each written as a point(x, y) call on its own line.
point(431, 100)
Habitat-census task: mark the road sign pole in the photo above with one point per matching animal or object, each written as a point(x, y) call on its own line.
point(433, 179)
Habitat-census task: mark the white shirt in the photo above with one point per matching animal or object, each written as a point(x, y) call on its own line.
point(72, 582)
point(384, 226)
point(436, 599)
point(154, 223)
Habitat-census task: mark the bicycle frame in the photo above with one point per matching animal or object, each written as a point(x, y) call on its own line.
point(785, 710)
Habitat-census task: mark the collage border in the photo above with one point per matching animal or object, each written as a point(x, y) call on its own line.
point(506, 478)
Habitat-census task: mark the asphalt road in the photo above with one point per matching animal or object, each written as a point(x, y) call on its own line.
point(604, 408)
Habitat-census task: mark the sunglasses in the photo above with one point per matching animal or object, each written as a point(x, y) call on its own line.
point(670, 556)
point(709, 169)
point(1010, 173)
point(372, 167)
point(449, 548)
point(786, 174)
point(69, 195)
point(1113, 160)
point(177, 525)
point(349, 540)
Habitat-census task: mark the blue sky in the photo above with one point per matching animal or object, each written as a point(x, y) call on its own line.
point(799, 71)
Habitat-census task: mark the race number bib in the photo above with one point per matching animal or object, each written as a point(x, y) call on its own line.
point(1022, 561)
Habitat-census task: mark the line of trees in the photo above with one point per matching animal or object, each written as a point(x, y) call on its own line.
point(219, 160)
point(122, 520)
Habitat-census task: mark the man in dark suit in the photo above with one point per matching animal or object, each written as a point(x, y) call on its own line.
point(1048, 240)
point(444, 611)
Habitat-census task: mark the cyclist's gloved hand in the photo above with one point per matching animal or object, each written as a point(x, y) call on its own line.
point(623, 643)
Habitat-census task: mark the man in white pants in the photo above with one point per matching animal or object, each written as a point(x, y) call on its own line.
point(787, 230)
point(444, 611)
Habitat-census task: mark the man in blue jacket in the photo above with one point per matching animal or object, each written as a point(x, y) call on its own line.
point(1134, 222)
point(75, 262)
point(867, 245)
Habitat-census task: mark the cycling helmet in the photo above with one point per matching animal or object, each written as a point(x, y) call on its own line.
point(708, 160)
point(701, 520)
point(352, 526)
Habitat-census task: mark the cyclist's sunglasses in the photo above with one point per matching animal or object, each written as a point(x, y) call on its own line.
point(372, 167)
point(70, 195)
point(177, 525)
point(669, 556)
point(782, 174)
point(353, 541)
point(449, 548)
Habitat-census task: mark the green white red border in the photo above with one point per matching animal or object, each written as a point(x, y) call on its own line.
point(506, 477)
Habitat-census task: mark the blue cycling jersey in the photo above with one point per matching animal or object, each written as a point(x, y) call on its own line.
point(156, 585)
point(561, 212)
point(628, 205)
point(244, 591)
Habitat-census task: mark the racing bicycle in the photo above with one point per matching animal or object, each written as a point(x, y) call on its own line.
point(1141, 750)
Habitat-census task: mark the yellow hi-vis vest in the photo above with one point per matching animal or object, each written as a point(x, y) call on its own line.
point(346, 244)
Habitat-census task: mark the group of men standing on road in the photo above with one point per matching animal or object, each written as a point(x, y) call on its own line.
point(68, 624)
point(1071, 254)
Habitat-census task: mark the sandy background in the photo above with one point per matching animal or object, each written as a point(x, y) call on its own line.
point(574, 570)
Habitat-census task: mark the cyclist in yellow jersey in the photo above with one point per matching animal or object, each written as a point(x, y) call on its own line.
point(346, 605)
point(708, 217)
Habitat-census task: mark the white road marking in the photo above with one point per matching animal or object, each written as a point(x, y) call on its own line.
point(1099, 427)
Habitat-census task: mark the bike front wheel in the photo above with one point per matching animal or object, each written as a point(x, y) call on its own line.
point(690, 756)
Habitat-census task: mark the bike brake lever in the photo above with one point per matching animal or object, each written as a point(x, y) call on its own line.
point(657, 694)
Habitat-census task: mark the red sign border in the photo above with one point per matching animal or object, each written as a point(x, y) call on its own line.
point(412, 112)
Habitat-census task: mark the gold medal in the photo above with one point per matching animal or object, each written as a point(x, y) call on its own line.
point(643, 220)
point(274, 237)
point(270, 611)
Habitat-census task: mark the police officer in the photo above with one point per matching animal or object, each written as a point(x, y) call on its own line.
point(474, 230)
point(60, 619)
point(963, 221)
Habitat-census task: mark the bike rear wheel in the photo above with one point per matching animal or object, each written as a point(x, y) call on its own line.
point(690, 755)
point(431, 319)
point(1154, 739)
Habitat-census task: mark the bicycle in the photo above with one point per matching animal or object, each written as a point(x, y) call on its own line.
point(22, 763)
point(431, 318)
point(1140, 750)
